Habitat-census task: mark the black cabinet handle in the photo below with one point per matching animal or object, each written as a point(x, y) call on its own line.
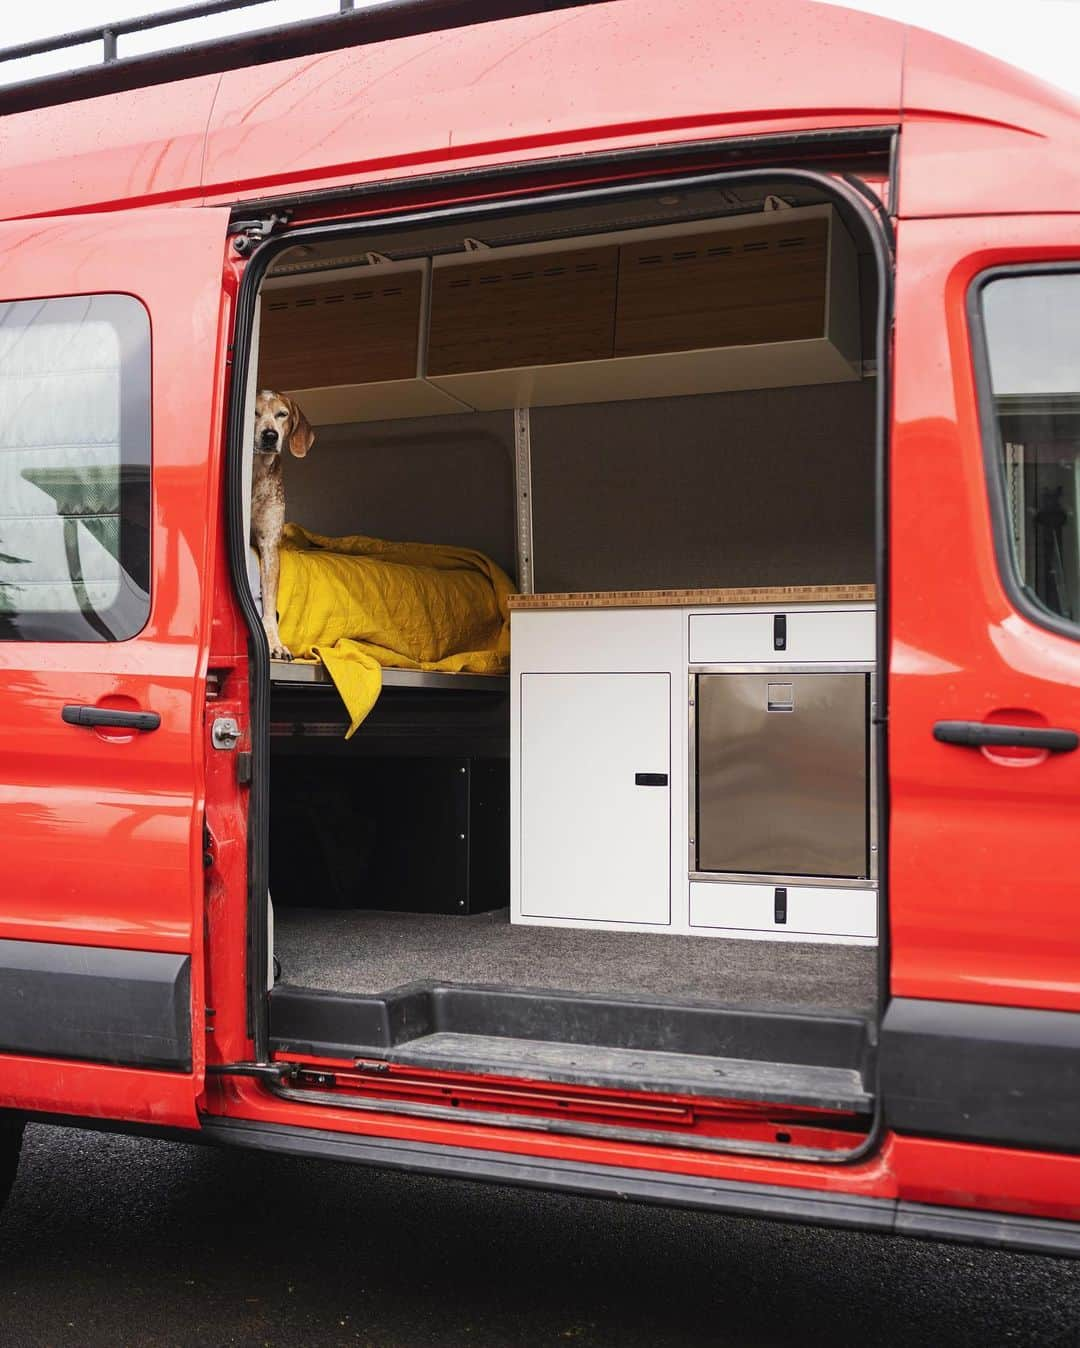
point(650, 779)
point(74, 714)
point(976, 734)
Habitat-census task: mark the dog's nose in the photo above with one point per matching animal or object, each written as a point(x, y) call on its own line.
point(269, 437)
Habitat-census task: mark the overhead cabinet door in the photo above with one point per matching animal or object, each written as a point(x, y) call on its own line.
point(595, 797)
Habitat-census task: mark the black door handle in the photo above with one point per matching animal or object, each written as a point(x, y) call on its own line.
point(650, 779)
point(74, 714)
point(976, 734)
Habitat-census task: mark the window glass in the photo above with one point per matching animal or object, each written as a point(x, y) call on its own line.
point(1032, 328)
point(74, 469)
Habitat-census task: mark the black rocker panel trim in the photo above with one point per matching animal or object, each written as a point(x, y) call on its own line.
point(978, 1073)
point(127, 1008)
point(816, 1207)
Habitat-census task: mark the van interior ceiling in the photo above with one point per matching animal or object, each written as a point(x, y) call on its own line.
point(609, 826)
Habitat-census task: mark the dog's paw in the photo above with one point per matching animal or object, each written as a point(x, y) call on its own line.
point(278, 649)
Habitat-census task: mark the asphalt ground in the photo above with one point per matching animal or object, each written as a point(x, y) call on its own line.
point(118, 1241)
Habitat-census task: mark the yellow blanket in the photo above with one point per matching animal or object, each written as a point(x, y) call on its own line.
point(358, 604)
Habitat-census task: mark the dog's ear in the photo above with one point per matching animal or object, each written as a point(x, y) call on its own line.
point(301, 436)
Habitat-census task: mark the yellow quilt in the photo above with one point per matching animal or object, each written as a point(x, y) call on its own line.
point(358, 604)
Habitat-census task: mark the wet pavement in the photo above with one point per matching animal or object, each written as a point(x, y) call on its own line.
point(118, 1241)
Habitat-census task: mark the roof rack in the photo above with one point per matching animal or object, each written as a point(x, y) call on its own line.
point(107, 33)
point(356, 23)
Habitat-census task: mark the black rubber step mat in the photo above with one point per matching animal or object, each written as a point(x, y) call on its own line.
point(634, 1070)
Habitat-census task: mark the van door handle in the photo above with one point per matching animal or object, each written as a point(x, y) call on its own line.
point(976, 734)
point(74, 714)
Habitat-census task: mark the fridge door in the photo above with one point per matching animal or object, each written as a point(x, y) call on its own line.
point(782, 774)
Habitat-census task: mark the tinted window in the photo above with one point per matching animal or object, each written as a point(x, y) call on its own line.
point(1032, 331)
point(74, 469)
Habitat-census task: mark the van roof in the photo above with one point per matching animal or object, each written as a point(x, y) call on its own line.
point(978, 136)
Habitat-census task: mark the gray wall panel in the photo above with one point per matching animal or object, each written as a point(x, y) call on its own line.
point(760, 487)
point(427, 479)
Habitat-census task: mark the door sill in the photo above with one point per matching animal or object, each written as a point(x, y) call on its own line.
point(555, 1062)
point(794, 1128)
point(649, 1073)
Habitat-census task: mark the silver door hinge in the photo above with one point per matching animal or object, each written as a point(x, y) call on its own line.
point(225, 732)
point(247, 233)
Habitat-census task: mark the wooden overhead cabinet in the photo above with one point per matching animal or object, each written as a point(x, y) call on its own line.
point(747, 286)
point(349, 348)
point(515, 312)
point(761, 301)
point(703, 308)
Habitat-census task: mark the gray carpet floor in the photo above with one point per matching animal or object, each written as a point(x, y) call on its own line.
point(354, 950)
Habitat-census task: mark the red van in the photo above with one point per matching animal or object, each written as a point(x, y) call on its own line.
point(674, 792)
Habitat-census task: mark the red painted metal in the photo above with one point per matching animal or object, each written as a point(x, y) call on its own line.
point(983, 871)
point(981, 135)
point(121, 824)
point(951, 1174)
point(240, 1098)
point(227, 694)
point(93, 1091)
point(102, 837)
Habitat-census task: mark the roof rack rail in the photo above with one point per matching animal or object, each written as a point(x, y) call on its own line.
point(356, 23)
point(107, 33)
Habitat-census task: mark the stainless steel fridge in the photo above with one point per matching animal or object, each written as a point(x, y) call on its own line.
point(782, 782)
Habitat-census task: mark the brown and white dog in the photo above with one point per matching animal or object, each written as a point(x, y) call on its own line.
point(278, 422)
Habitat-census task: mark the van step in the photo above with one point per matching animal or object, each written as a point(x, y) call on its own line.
point(639, 1071)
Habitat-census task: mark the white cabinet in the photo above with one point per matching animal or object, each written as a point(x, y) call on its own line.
point(783, 636)
point(604, 745)
point(595, 783)
point(786, 913)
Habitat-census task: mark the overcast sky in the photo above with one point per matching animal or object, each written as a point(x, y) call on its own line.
point(1042, 36)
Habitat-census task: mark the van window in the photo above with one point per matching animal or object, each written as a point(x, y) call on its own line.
point(74, 469)
point(1031, 327)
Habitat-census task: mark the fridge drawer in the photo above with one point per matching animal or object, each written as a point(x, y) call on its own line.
point(786, 912)
point(781, 783)
point(782, 637)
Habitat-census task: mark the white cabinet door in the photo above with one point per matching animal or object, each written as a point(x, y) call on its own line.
point(596, 797)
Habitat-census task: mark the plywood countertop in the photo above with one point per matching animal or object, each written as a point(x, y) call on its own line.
point(765, 594)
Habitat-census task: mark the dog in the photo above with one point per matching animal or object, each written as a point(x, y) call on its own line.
point(278, 423)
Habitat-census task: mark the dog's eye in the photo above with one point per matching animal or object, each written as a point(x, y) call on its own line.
point(279, 415)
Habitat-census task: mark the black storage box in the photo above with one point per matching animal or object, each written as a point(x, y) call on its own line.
point(422, 835)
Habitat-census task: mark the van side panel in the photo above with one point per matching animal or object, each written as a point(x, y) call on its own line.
point(638, 70)
point(101, 830)
point(983, 850)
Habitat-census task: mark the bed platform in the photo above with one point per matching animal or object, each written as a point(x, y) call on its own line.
point(304, 672)
point(418, 713)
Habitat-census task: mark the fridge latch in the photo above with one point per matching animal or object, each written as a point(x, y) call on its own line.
point(780, 696)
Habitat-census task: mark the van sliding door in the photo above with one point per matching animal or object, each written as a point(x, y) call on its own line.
point(982, 1037)
point(110, 384)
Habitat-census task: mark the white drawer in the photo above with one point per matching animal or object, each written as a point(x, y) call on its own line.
point(814, 913)
point(748, 638)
